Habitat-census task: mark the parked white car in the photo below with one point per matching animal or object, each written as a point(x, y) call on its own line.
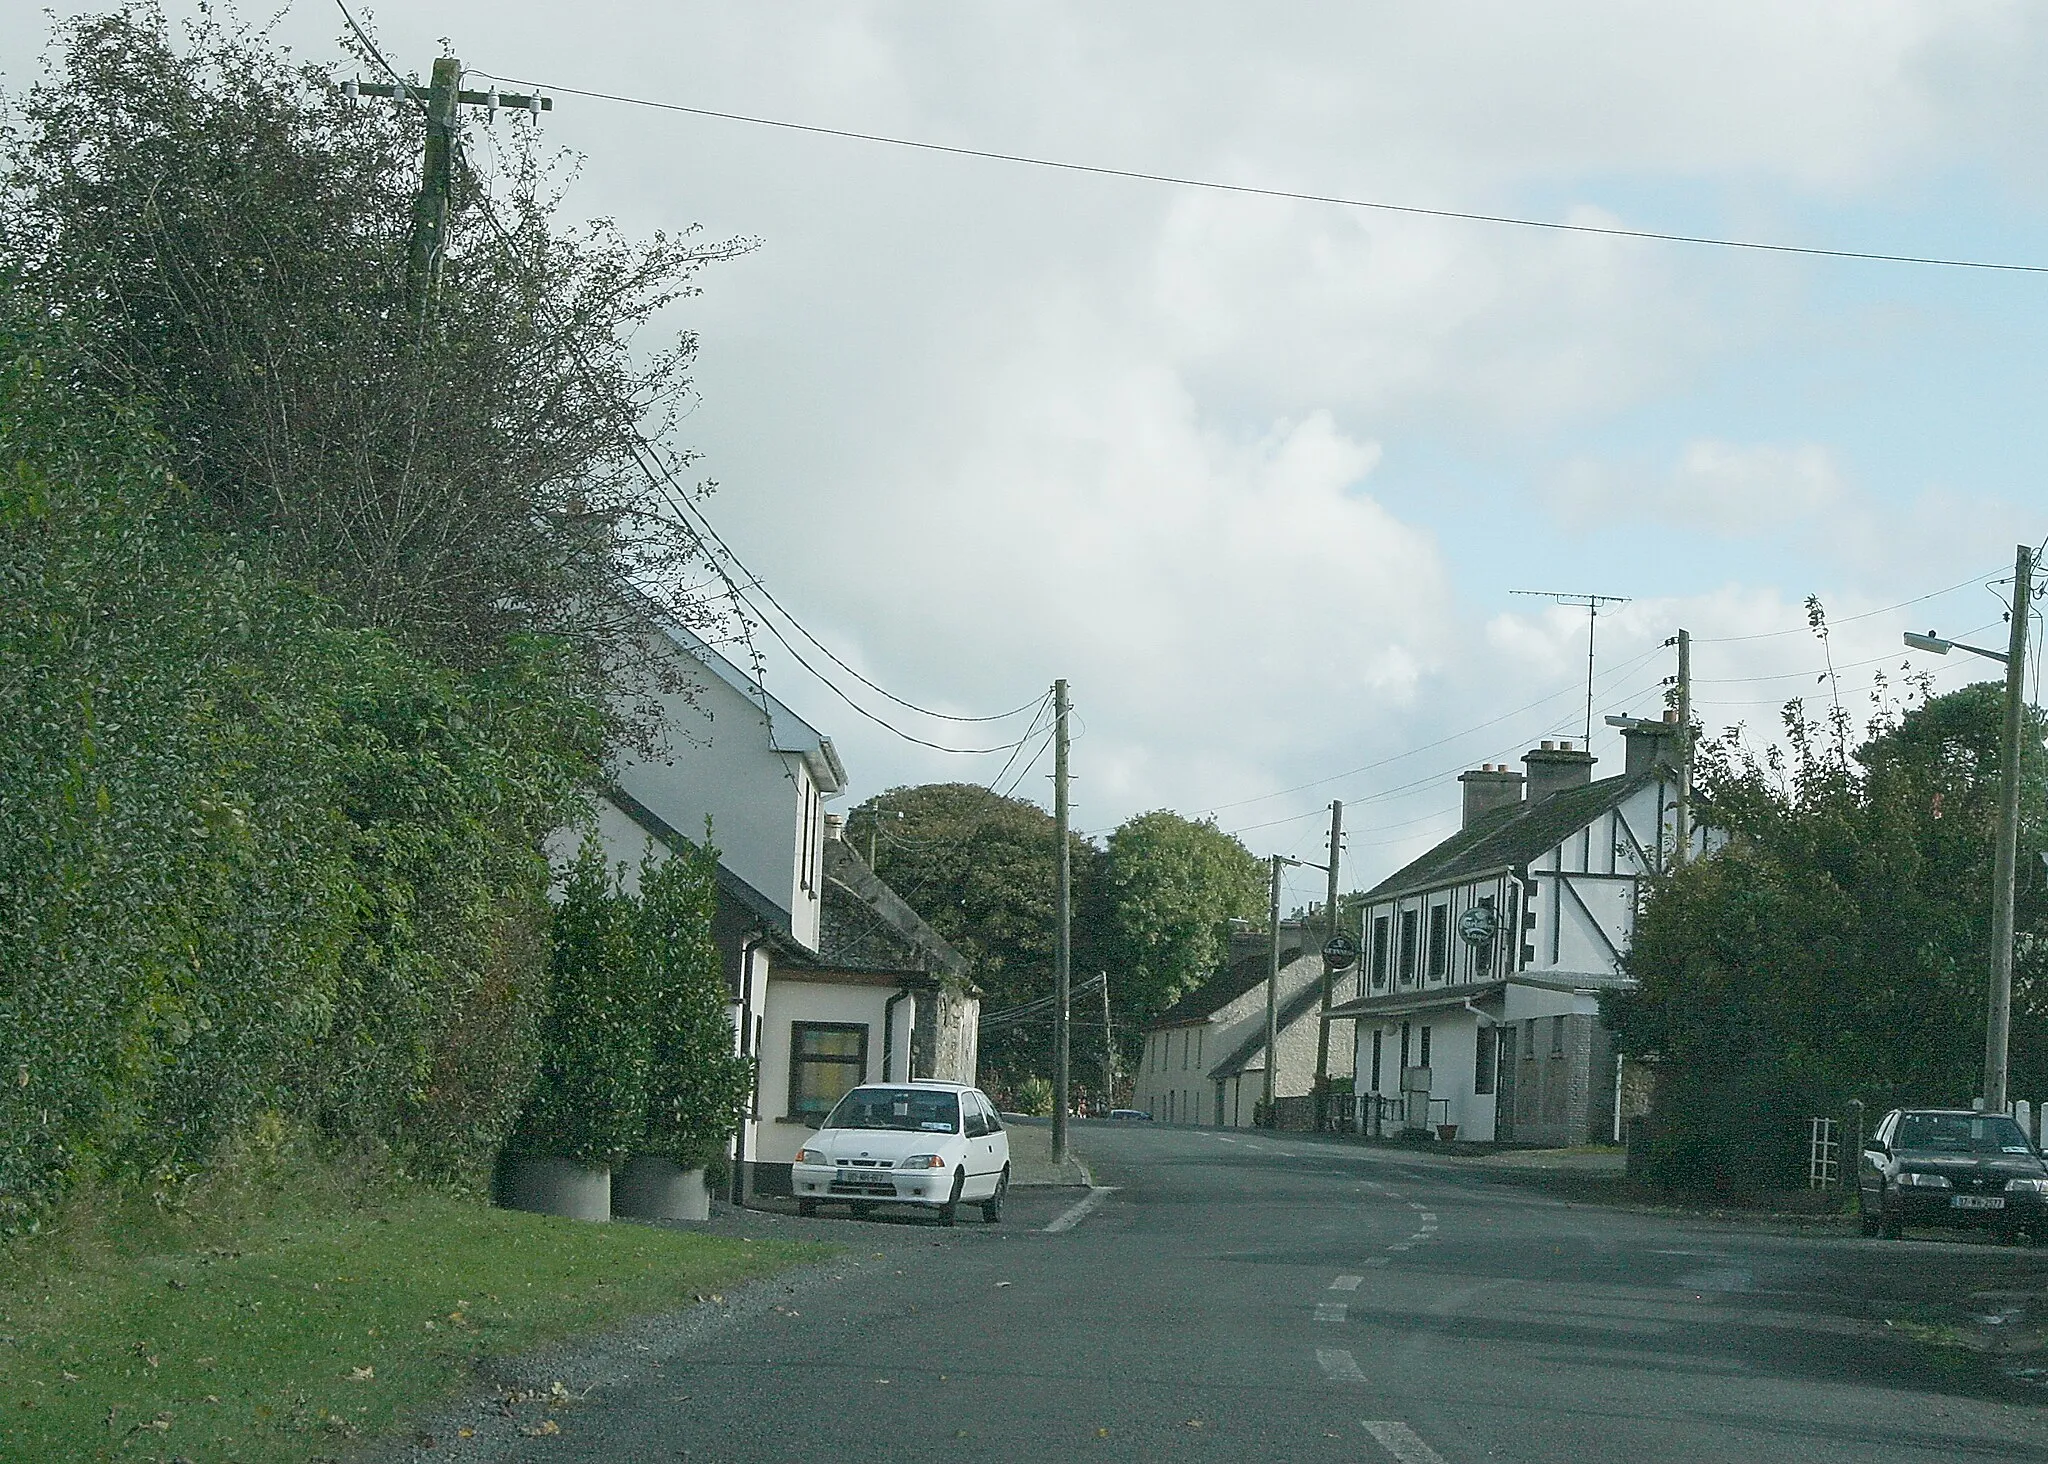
point(927, 1143)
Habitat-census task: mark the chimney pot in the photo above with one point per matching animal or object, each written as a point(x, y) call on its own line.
point(1554, 767)
point(1549, 746)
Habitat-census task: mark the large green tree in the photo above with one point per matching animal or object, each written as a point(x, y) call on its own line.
point(1839, 946)
point(980, 869)
point(1172, 887)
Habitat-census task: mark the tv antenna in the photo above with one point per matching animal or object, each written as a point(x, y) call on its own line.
point(1592, 604)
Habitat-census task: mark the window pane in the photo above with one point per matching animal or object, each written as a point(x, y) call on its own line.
point(829, 1041)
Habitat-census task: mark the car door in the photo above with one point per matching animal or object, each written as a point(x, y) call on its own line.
point(998, 1142)
point(1870, 1172)
point(974, 1132)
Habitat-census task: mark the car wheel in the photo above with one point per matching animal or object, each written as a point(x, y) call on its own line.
point(992, 1207)
point(949, 1211)
point(807, 1207)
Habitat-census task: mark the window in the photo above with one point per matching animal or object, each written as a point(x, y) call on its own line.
point(995, 1119)
point(904, 1110)
point(1408, 924)
point(1425, 1048)
point(1529, 1039)
point(1380, 941)
point(825, 1060)
point(1377, 1037)
point(1185, 1039)
point(1557, 1036)
point(974, 1116)
point(1404, 1046)
point(1483, 1059)
point(1439, 942)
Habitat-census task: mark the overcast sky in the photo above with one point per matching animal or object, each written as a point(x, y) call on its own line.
point(1258, 476)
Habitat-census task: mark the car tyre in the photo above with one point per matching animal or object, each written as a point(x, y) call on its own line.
point(1872, 1220)
point(950, 1211)
point(992, 1207)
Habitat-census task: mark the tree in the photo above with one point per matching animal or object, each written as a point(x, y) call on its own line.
point(697, 1086)
point(227, 236)
point(1838, 947)
point(1172, 886)
point(979, 869)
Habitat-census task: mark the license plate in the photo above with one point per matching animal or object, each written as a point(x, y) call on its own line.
point(1978, 1202)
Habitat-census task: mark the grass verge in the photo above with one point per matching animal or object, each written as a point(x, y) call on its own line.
point(291, 1314)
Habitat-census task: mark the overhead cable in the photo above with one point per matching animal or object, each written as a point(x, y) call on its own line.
point(1255, 191)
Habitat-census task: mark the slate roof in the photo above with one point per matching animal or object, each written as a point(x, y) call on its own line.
point(1506, 838)
point(1290, 1011)
point(1222, 988)
point(865, 926)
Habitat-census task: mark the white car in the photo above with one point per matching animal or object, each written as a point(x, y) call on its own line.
point(927, 1143)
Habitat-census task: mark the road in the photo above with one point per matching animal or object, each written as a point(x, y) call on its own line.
point(1253, 1297)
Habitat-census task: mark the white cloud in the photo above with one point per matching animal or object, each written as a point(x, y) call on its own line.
point(1733, 490)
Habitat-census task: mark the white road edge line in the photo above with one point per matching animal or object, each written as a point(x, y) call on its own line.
point(1331, 1311)
point(1338, 1365)
point(1346, 1283)
point(1374, 1261)
point(1400, 1440)
point(1078, 1211)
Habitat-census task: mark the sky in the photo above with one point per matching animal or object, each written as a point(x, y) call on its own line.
point(1260, 477)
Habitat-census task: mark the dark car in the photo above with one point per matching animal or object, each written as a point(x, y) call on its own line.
point(1955, 1167)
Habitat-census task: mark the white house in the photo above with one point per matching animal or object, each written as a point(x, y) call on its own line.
point(1484, 959)
point(1205, 1056)
point(833, 980)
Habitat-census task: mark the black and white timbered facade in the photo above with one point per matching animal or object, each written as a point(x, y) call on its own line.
point(1484, 959)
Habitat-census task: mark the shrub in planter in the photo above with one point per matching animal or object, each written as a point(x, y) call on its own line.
point(589, 1101)
point(697, 1087)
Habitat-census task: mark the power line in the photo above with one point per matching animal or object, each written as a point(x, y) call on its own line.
point(1251, 190)
point(1804, 629)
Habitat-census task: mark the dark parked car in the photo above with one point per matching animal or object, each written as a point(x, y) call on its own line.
point(1137, 1115)
point(1952, 1166)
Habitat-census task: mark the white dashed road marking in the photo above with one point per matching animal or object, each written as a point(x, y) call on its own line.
point(1426, 1218)
point(1399, 1440)
point(1346, 1283)
point(1402, 1245)
point(1075, 1213)
point(1331, 1311)
point(1375, 1261)
point(1338, 1365)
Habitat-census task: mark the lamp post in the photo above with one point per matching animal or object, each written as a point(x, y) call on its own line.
point(2005, 856)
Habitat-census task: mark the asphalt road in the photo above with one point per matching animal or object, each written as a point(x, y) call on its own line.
point(1245, 1296)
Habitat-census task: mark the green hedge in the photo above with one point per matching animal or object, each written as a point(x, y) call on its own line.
point(251, 859)
point(637, 1046)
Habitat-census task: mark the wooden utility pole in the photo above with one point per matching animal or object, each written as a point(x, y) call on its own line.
point(1062, 950)
point(2005, 864)
point(443, 98)
point(1272, 987)
point(1323, 1032)
point(1681, 821)
point(1108, 1052)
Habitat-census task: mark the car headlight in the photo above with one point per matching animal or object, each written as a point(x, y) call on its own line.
point(2026, 1186)
point(811, 1156)
point(922, 1161)
point(1911, 1180)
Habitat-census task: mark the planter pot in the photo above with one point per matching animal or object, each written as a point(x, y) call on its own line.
point(556, 1187)
point(659, 1189)
point(1445, 1132)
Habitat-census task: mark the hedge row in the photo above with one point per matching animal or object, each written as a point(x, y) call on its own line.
point(252, 859)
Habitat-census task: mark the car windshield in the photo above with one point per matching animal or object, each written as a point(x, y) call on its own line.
point(917, 1110)
point(1961, 1133)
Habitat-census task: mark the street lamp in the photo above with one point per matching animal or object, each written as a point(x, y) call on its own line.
point(2005, 854)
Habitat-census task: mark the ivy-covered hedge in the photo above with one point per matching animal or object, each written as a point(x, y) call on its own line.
point(251, 858)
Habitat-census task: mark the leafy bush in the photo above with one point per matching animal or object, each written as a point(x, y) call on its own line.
point(698, 1086)
point(1034, 1097)
point(589, 1101)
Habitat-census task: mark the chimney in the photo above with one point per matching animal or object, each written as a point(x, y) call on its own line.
point(1488, 787)
point(1650, 743)
point(835, 826)
point(1556, 766)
